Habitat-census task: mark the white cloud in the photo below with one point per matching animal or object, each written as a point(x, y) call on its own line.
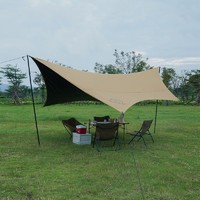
point(178, 63)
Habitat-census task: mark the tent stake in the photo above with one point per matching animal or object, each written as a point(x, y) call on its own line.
point(33, 102)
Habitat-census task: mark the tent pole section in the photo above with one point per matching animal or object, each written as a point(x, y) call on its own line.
point(155, 120)
point(33, 102)
point(123, 116)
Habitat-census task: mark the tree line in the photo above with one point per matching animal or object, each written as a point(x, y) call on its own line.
point(185, 86)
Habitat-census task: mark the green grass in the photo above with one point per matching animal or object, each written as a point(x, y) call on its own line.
point(59, 169)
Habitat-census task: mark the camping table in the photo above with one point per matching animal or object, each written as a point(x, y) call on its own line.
point(123, 125)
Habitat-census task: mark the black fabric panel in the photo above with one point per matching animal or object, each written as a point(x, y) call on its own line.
point(60, 90)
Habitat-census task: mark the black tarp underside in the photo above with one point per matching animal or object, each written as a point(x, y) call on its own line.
point(59, 90)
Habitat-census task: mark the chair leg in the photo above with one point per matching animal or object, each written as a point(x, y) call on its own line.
point(143, 140)
point(70, 133)
point(114, 142)
point(132, 139)
point(117, 143)
point(93, 142)
point(98, 144)
point(151, 137)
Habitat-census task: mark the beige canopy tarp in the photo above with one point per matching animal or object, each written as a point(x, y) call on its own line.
point(119, 91)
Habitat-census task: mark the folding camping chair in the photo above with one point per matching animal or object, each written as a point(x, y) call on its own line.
point(105, 132)
point(144, 130)
point(102, 119)
point(70, 125)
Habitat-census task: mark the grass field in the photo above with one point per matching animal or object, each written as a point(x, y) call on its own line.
point(59, 169)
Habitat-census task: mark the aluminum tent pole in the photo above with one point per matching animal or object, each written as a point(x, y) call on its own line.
point(156, 113)
point(33, 102)
point(155, 120)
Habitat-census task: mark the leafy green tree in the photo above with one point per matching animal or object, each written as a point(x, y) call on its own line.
point(130, 62)
point(125, 63)
point(15, 78)
point(39, 81)
point(189, 87)
point(194, 80)
point(25, 92)
point(106, 69)
point(184, 90)
point(170, 78)
point(0, 84)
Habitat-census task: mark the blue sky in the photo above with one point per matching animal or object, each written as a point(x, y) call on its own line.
point(79, 33)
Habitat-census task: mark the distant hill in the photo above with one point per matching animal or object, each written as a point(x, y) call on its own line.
point(3, 87)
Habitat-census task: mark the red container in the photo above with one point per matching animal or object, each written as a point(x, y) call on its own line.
point(81, 129)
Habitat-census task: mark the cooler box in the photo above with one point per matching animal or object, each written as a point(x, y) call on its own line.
point(81, 129)
point(81, 138)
